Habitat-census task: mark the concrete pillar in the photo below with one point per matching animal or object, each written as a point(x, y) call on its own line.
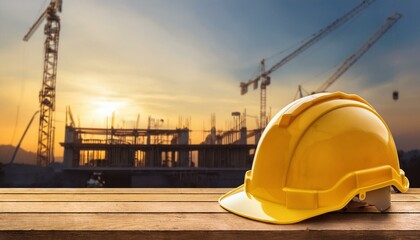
point(69, 139)
point(183, 139)
point(257, 135)
point(213, 135)
point(243, 137)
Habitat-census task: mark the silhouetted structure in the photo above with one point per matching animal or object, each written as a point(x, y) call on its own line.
point(154, 148)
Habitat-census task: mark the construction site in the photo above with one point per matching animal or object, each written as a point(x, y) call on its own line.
point(156, 156)
point(155, 148)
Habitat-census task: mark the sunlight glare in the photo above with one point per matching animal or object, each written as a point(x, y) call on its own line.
point(106, 108)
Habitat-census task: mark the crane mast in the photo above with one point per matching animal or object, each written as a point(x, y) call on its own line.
point(264, 74)
point(46, 131)
point(389, 22)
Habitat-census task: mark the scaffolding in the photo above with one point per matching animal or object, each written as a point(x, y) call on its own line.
point(154, 148)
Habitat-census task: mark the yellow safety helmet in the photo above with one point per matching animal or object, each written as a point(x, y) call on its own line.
point(314, 156)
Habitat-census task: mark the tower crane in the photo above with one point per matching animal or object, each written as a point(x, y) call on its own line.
point(264, 75)
point(45, 152)
point(389, 22)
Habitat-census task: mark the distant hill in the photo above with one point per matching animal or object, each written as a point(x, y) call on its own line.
point(23, 156)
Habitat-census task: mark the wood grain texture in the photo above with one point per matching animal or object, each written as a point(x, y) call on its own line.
point(130, 190)
point(113, 190)
point(108, 197)
point(110, 207)
point(159, 207)
point(133, 197)
point(183, 214)
point(210, 235)
point(200, 222)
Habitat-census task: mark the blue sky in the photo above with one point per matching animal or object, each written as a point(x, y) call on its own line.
point(186, 58)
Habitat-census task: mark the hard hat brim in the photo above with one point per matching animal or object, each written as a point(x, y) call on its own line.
point(239, 202)
point(245, 204)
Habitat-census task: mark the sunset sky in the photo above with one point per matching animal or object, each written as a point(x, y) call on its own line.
point(171, 58)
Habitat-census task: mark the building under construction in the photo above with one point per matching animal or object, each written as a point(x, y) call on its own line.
point(153, 148)
point(166, 155)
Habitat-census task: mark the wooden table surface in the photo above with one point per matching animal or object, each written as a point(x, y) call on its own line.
point(186, 213)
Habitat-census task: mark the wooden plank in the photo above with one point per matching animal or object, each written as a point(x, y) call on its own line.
point(405, 197)
point(137, 197)
point(113, 197)
point(396, 207)
point(130, 190)
point(414, 190)
point(109, 207)
point(202, 222)
point(158, 207)
point(211, 235)
point(113, 190)
point(184, 214)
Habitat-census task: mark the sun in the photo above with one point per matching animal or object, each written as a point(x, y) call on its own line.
point(105, 108)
